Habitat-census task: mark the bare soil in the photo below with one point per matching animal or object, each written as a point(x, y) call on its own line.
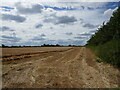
point(56, 67)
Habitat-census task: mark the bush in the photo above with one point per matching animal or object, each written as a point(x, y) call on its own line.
point(108, 52)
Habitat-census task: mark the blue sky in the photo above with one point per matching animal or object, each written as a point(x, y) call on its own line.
point(37, 23)
point(6, 8)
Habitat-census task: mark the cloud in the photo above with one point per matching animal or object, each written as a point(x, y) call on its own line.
point(35, 9)
point(54, 42)
point(79, 37)
point(87, 25)
point(85, 34)
point(93, 31)
point(90, 26)
point(90, 8)
point(66, 20)
point(5, 28)
point(108, 12)
point(81, 20)
point(70, 42)
point(39, 38)
point(42, 35)
point(6, 38)
point(84, 1)
point(60, 19)
point(69, 33)
point(39, 26)
point(16, 18)
point(60, 8)
point(51, 27)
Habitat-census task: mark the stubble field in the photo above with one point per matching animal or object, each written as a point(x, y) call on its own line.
point(56, 67)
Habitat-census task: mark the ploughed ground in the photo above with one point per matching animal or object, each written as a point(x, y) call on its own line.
point(56, 67)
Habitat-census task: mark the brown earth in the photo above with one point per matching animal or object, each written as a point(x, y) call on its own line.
point(27, 50)
point(67, 67)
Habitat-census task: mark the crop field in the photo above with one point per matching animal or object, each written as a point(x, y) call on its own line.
point(55, 67)
point(18, 51)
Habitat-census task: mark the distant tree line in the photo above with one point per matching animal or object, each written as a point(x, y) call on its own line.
point(44, 45)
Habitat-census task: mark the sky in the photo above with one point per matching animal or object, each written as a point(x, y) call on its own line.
point(33, 23)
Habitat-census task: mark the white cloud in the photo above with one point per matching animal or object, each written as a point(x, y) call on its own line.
point(38, 1)
point(108, 12)
point(55, 32)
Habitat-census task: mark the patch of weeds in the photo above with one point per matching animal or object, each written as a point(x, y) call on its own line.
point(99, 60)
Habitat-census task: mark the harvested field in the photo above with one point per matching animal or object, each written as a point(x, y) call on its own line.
point(56, 67)
point(18, 51)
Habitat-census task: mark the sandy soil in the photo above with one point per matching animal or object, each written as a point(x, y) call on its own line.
point(74, 67)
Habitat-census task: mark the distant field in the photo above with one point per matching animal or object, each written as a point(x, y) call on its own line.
point(24, 50)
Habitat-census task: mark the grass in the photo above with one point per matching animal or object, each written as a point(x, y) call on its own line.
point(108, 52)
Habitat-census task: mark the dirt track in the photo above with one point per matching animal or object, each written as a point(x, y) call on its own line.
point(70, 68)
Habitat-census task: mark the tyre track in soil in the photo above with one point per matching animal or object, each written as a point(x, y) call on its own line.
point(74, 68)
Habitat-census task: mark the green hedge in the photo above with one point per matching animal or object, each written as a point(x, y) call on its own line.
point(108, 52)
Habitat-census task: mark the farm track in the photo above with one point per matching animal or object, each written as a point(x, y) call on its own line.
point(70, 68)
